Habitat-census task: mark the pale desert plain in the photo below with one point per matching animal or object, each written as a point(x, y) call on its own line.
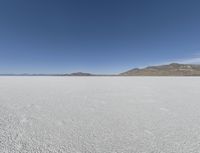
point(99, 114)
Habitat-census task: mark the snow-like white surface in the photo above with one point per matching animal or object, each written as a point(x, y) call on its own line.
point(99, 114)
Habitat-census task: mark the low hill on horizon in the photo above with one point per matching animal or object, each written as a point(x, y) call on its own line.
point(80, 74)
point(173, 69)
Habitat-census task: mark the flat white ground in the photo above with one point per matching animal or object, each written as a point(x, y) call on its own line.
point(99, 114)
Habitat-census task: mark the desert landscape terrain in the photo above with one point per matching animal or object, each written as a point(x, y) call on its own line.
point(99, 114)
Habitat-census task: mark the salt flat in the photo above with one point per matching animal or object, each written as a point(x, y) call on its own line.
point(99, 114)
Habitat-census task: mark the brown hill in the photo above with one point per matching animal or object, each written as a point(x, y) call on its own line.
point(173, 69)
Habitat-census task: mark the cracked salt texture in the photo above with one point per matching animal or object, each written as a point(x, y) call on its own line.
point(99, 114)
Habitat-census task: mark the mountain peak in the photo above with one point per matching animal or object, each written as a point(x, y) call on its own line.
point(173, 69)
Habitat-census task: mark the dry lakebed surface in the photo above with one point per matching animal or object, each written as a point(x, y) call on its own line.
point(99, 114)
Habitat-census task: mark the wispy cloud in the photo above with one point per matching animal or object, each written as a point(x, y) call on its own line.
point(192, 60)
point(195, 60)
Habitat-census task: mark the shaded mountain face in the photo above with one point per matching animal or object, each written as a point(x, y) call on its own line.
point(173, 69)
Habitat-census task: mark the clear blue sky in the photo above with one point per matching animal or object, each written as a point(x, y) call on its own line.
point(99, 36)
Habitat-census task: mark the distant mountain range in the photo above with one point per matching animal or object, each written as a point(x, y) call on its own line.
point(173, 69)
point(70, 74)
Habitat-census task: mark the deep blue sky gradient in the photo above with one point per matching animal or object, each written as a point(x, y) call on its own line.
point(99, 36)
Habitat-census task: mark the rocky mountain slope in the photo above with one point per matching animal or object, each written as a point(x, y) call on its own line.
point(173, 69)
